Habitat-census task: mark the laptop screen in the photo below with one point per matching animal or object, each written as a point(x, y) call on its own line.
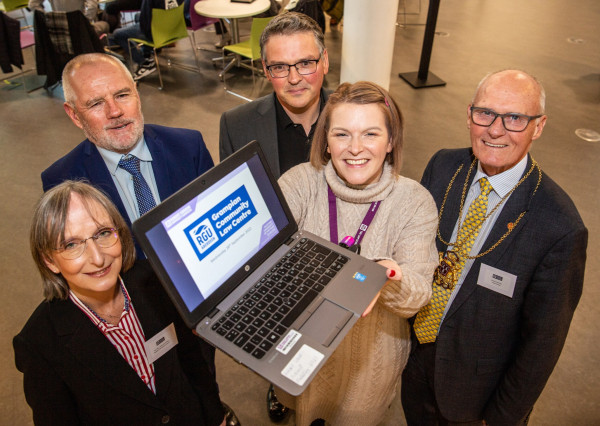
point(202, 239)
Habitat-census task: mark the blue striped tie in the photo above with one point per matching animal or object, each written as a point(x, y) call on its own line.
point(143, 195)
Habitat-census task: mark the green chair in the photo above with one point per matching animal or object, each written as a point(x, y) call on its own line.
point(10, 5)
point(249, 49)
point(167, 26)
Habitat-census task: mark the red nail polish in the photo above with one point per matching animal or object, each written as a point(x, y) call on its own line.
point(392, 273)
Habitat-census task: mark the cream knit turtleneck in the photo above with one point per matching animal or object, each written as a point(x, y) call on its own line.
point(358, 382)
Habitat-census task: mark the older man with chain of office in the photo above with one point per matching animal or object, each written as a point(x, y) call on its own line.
point(512, 258)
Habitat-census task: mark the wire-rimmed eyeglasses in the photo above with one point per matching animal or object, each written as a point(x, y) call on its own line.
point(72, 249)
point(304, 67)
point(512, 121)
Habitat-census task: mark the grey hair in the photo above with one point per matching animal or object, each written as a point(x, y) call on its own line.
point(87, 59)
point(291, 23)
point(542, 98)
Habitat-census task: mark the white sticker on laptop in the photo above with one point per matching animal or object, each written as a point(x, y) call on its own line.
point(288, 342)
point(302, 365)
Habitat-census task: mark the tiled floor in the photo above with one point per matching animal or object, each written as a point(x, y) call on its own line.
point(475, 37)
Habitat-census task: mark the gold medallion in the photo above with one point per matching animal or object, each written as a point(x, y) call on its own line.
point(445, 273)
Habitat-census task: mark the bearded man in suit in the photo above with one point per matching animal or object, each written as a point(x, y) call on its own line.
point(101, 99)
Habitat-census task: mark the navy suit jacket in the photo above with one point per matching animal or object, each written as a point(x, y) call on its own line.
point(495, 353)
point(256, 120)
point(73, 375)
point(178, 157)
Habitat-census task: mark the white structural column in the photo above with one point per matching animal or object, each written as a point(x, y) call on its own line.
point(368, 41)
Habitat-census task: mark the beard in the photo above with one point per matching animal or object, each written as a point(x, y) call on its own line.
point(121, 144)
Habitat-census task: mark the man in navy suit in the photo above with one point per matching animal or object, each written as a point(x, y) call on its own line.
point(512, 293)
point(101, 99)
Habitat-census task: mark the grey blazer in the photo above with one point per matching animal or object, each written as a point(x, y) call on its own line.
point(494, 353)
point(255, 120)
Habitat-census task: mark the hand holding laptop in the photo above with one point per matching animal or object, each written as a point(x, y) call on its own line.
point(393, 272)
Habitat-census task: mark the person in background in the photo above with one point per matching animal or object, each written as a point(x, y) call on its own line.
point(143, 56)
point(353, 179)
point(85, 351)
point(113, 9)
point(295, 61)
point(512, 252)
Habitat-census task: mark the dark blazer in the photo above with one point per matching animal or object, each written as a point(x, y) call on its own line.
point(178, 157)
point(256, 120)
point(10, 43)
point(73, 375)
point(494, 354)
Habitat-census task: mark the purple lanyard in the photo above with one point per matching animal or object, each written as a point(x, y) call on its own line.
point(333, 233)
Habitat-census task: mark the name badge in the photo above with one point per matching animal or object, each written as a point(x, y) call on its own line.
point(496, 280)
point(161, 343)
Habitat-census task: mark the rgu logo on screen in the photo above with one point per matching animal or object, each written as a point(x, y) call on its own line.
point(221, 222)
point(204, 236)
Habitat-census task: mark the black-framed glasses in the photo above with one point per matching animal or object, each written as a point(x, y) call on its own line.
point(304, 67)
point(104, 238)
point(512, 121)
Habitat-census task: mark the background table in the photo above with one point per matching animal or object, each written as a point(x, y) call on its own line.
point(231, 10)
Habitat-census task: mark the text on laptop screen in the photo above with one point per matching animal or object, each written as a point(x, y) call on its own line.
point(208, 238)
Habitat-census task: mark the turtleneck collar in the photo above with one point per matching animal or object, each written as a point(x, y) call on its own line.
point(374, 192)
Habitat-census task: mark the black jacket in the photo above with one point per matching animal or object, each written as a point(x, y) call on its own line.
point(73, 375)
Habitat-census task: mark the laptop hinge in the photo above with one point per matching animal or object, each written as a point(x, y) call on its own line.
point(212, 313)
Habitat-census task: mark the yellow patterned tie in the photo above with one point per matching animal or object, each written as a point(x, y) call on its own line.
point(428, 319)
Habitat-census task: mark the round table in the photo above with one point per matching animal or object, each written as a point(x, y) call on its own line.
point(228, 9)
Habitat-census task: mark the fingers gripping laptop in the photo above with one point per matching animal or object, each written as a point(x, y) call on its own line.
point(228, 251)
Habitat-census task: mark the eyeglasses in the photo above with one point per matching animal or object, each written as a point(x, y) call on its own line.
point(104, 238)
point(305, 67)
point(512, 121)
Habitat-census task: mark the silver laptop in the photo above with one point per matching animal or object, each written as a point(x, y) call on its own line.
point(229, 253)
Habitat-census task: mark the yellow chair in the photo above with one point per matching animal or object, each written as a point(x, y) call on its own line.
point(167, 26)
point(249, 49)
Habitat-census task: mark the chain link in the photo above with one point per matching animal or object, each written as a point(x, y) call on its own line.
point(457, 244)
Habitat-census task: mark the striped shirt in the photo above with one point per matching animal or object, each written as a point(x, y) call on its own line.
point(127, 336)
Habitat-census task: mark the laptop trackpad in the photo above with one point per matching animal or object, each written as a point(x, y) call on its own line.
point(326, 322)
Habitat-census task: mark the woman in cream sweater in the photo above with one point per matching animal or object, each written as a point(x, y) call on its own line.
point(355, 162)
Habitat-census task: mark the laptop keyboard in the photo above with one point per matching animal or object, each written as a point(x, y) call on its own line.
point(260, 317)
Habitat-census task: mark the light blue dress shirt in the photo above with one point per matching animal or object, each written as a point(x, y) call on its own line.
point(123, 179)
